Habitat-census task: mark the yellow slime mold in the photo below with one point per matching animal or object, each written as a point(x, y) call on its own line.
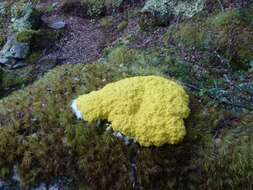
point(150, 109)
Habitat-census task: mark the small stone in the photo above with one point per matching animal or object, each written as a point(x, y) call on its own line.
point(18, 65)
point(7, 62)
point(57, 25)
point(14, 49)
point(4, 60)
point(55, 4)
point(18, 51)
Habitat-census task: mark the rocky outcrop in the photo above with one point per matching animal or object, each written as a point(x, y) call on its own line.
point(160, 12)
point(23, 17)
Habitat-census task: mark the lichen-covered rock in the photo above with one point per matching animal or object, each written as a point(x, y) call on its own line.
point(14, 49)
point(161, 11)
point(24, 17)
point(91, 8)
point(3, 7)
point(150, 109)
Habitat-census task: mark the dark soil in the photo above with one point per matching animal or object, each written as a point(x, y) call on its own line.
point(82, 40)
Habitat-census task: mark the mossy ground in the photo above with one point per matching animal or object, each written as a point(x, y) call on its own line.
point(48, 141)
point(41, 137)
point(228, 33)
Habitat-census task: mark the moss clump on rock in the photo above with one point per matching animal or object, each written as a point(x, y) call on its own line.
point(106, 22)
point(91, 8)
point(160, 12)
point(228, 33)
point(25, 36)
point(9, 80)
point(38, 39)
point(232, 157)
point(234, 37)
point(46, 141)
point(26, 17)
point(45, 125)
point(34, 57)
point(122, 25)
point(2, 41)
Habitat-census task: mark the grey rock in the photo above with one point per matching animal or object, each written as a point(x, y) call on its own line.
point(163, 10)
point(7, 62)
point(57, 25)
point(4, 61)
point(18, 65)
point(2, 7)
point(29, 18)
point(14, 49)
point(18, 51)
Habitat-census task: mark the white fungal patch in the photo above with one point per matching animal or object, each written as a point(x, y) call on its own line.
point(76, 110)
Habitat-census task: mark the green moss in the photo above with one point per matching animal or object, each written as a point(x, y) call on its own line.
point(121, 55)
point(227, 32)
point(47, 9)
point(43, 38)
point(106, 22)
point(25, 36)
point(2, 41)
point(233, 38)
point(8, 142)
point(26, 17)
point(106, 151)
point(233, 157)
point(161, 12)
point(192, 34)
point(51, 122)
point(9, 80)
point(45, 140)
point(33, 57)
point(100, 7)
point(122, 25)
point(92, 8)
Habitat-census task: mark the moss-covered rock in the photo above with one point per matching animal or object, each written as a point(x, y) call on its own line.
point(160, 12)
point(106, 22)
point(45, 140)
point(45, 125)
point(233, 37)
point(91, 8)
point(2, 41)
point(228, 33)
point(232, 155)
point(43, 38)
point(25, 36)
point(9, 80)
point(38, 39)
point(122, 25)
point(33, 57)
point(25, 17)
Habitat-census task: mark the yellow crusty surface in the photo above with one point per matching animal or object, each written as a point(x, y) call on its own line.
point(150, 109)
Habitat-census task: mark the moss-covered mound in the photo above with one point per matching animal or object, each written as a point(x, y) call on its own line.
point(228, 33)
point(161, 12)
point(9, 80)
point(41, 136)
point(40, 133)
point(91, 8)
